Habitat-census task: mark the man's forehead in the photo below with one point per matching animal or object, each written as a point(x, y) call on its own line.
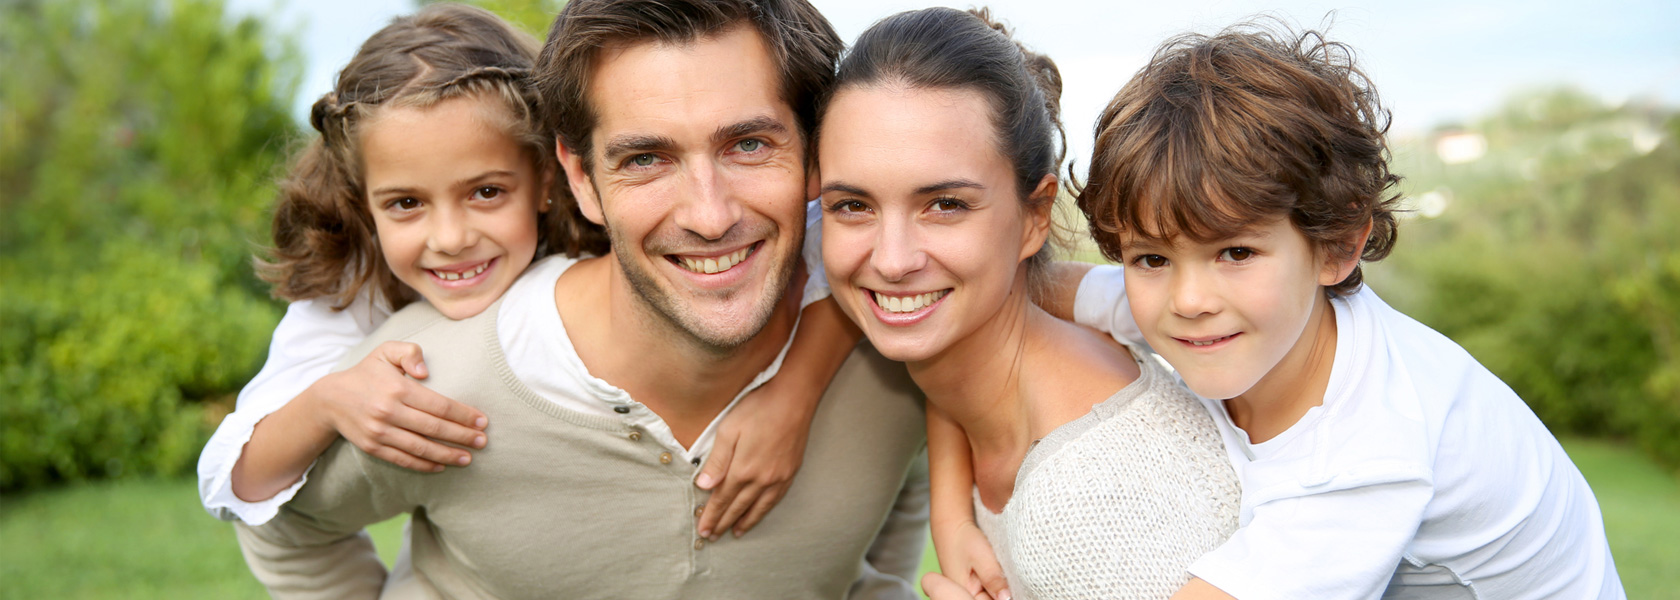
point(647, 85)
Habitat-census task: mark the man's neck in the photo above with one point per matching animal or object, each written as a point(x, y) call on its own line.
point(621, 340)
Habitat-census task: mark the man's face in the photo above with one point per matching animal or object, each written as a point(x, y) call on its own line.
point(699, 179)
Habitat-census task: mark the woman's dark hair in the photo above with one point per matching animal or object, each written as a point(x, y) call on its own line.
point(945, 48)
point(324, 243)
point(1218, 133)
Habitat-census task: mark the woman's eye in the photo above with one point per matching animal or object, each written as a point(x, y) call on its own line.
point(750, 145)
point(1153, 261)
point(949, 204)
point(643, 160)
point(848, 206)
point(1238, 254)
point(487, 193)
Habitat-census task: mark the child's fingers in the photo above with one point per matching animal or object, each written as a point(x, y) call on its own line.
point(991, 578)
point(717, 464)
point(404, 459)
point(407, 441)
point(429, 401)
point(404, 355)
point(743, 501)
point(766, 501)
point(423, 423)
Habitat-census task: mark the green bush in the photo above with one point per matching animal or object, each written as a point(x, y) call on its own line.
point(138, 143)
point(1555, 261)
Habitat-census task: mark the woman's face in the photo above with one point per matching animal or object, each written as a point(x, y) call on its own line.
point(923, 230)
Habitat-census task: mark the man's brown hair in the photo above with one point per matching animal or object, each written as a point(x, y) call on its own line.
point(1218, 133)
point(802, 43)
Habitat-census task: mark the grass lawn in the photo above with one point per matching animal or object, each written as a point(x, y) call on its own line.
point(150, 539)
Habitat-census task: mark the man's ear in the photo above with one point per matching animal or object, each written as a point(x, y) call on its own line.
point(583, 188)
point(1040, 207)
point(1338, 266)
point(813, 182)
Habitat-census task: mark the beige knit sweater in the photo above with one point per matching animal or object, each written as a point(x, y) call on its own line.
point(1118, 503)
point(567, 505)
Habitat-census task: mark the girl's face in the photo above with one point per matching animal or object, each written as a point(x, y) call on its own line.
point(923, 233)
point(455, 200)
point(1234, 314)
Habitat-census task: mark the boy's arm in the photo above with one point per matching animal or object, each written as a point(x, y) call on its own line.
point(1057, 297)
point(965, 555)
point(378, 405)
point(761, 443)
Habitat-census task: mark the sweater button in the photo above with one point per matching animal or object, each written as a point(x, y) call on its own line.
point(635, 436)
point(621, 409)
point(698, 510)
point(699, 543)
point(664, 458)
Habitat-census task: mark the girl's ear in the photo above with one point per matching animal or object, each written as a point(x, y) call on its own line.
point(1338, 266)
point(583, 188)
point(1040, 207)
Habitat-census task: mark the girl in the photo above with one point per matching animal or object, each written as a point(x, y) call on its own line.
point(431, 180)
point(1095, 475)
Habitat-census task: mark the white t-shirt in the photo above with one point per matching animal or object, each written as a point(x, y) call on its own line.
point(1422, 475)
point(312, 338)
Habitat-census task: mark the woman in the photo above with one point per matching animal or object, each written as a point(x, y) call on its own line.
point(1094, 474)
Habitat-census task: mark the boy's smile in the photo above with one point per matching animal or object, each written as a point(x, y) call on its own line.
point(1241, 318)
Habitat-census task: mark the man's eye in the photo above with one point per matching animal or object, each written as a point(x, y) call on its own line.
point(643, 160)
point(1238, 254)
point(750, 145)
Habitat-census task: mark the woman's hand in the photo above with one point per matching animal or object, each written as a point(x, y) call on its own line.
point(380, 406)
point(965, 551)
point(760, 446)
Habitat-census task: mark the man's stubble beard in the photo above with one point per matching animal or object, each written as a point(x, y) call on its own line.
point(657, 302)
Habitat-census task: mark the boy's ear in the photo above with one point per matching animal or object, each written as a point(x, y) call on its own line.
point(583, 188)
point(1337, 266)
point(1041, 206)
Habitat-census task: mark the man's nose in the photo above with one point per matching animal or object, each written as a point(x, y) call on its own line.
point(708, 208)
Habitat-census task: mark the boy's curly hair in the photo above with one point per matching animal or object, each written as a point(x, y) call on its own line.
point(1218, 133)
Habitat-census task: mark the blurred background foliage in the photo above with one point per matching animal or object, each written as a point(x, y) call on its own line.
point(140, 139)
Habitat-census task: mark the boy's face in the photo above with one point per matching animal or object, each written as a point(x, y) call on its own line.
point(699, 179)
point(1234, 314)
point(455, 201)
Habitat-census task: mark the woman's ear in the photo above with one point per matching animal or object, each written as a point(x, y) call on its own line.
point(547, 201)
point(1337, 266)
point(1041, 205)
point(583, 188)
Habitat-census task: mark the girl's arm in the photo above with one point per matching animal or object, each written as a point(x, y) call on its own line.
point(379, 405)
point(761, 443)
point(965, 556)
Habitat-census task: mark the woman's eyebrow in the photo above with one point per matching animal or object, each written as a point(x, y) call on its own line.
point(949, 184)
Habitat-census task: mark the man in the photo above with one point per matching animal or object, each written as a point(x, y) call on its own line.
point(683, 128)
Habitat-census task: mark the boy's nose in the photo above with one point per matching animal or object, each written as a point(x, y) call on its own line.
point(1192, 294)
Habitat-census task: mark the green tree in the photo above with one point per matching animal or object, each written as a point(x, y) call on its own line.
point(138, 144)
point(533, 16)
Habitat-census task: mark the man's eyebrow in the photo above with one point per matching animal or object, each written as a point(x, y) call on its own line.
point(841, 186)
point(949, 184)
point(635, 144)
point(759, 124)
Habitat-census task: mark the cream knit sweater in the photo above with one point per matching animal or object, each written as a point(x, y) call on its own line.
point(1118, 503)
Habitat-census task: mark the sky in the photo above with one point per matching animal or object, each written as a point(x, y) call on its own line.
point(1432, 61)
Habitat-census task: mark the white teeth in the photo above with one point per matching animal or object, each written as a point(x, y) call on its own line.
point(1209, 342)
point(469, 273)
point(904, 304)
point(715, 265)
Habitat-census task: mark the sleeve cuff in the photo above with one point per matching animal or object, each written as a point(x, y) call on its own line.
point(816, 278)
point(215, 474)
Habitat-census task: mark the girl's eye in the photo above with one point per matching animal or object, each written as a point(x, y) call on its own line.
point(487, 193)
point(643, 160)
point(1152, 261)
point(750, 145)
point(1238, 254)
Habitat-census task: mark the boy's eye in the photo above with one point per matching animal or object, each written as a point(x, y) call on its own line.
point(404, 204)
point(749, 145)
point(1238, 254)
point(1153, 261)
point(487, 193)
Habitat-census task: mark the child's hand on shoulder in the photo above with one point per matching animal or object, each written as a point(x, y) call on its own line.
point(380, 406)
point(970, 555)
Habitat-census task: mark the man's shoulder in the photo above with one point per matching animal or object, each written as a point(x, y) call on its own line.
point(422, 324)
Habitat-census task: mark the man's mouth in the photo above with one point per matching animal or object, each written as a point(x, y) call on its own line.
point(711, 265)
point(905, 304)
point(467, 273)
